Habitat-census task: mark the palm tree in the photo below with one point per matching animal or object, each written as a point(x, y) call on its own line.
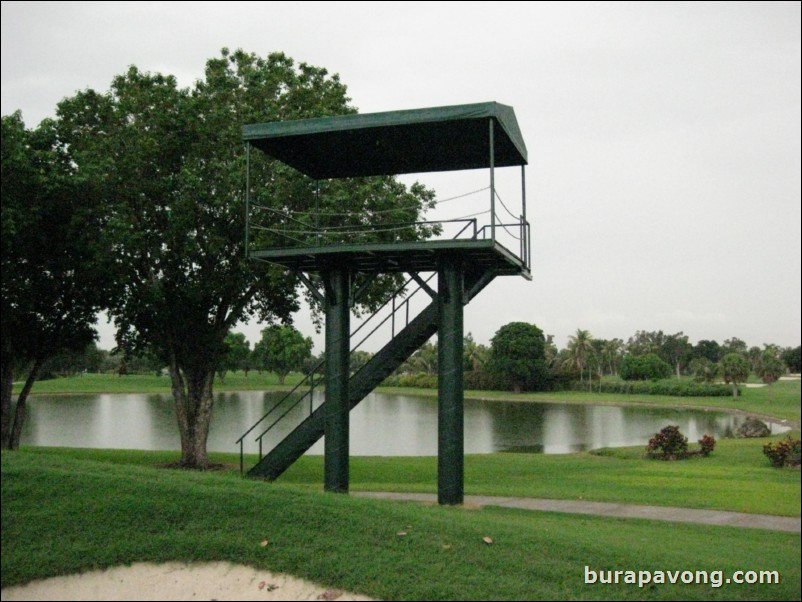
point(580, 348)
point(612, 354)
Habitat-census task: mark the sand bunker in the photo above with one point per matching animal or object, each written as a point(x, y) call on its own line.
point(176, 581)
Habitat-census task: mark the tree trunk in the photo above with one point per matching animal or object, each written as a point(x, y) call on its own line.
point(19, 413)
point(734, 390)
point(281, 377)
point(6, 386)
point(192, 391)
point(679, 375)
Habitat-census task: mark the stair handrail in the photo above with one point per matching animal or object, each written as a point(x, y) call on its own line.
point(259, 438)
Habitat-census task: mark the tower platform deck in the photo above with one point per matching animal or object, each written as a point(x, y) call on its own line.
point(417, 256)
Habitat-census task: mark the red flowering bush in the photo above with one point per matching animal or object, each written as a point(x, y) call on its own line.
point(671, 444)
point(668, 444)
point(706, 445)
point(784, 453)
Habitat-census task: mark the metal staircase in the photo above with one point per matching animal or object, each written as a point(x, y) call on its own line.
point(298, 405)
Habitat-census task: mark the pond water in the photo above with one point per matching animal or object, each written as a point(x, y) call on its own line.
point(382, 425)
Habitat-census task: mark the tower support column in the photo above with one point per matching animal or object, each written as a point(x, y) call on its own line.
point(450, 397)
point(336, 427)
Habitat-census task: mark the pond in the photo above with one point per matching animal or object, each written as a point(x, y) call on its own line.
point(382, 425)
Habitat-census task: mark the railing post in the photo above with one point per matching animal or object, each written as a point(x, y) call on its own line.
point(392, 319)
point(492, 184)
point(247, 195)
point(526, 257)
point(317, 213)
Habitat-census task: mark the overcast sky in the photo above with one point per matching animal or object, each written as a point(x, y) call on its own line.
point(664, 138)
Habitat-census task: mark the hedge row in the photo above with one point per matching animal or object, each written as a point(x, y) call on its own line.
point(660, 387)
point(482, 381)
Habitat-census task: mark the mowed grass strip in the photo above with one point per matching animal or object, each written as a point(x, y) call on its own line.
point(62, 514)
point(736, 477)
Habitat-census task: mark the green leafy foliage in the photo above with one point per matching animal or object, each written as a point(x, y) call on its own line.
point(671, 387)
point(734, 369)
point(793, 358)
point(517, 356)
point(644, 367)
point(703, 370)
point(282, 349)
point(56, 274)
point(237, 354)
point(170, 165)
point(770, 368)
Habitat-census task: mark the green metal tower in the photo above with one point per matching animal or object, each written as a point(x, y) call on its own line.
point(475, 136)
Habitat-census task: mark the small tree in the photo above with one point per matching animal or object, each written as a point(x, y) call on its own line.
point(734, 369)
point(236, 356)
point(792, 357)
point(282, 349)
point(770, 368)
point(517, 356)
point(703, 370)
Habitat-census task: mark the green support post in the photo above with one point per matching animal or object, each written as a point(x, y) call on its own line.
point(450, 436)
point(337, 401)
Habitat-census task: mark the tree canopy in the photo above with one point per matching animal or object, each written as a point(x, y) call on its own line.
point(55, 273)
point(282, 349)
point(170, 164)
point(734, 369)
point(517, 355)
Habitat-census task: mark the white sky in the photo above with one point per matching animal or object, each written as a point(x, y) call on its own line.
point(664, 138)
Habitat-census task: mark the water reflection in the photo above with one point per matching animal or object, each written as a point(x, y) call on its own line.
point(386, 425)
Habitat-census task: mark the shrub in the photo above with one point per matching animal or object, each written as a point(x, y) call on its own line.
point(480, 380)
point(668, 444)
point(673, 387)
point(785, 452)
point(671, 444)
point(419, 380)
point(707, 444)
point(644, 367)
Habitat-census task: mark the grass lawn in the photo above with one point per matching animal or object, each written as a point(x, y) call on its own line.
point(781, 400)
point(149, 383)
point(64, 512)
point(736, 477)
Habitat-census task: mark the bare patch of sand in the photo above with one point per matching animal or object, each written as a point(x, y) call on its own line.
point(176, 581)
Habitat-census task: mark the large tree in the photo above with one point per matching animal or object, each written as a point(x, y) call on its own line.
point(518, 356)
point(54, 275)
point(172, 164)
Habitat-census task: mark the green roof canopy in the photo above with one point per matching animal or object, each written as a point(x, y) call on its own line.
point(396, 142)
